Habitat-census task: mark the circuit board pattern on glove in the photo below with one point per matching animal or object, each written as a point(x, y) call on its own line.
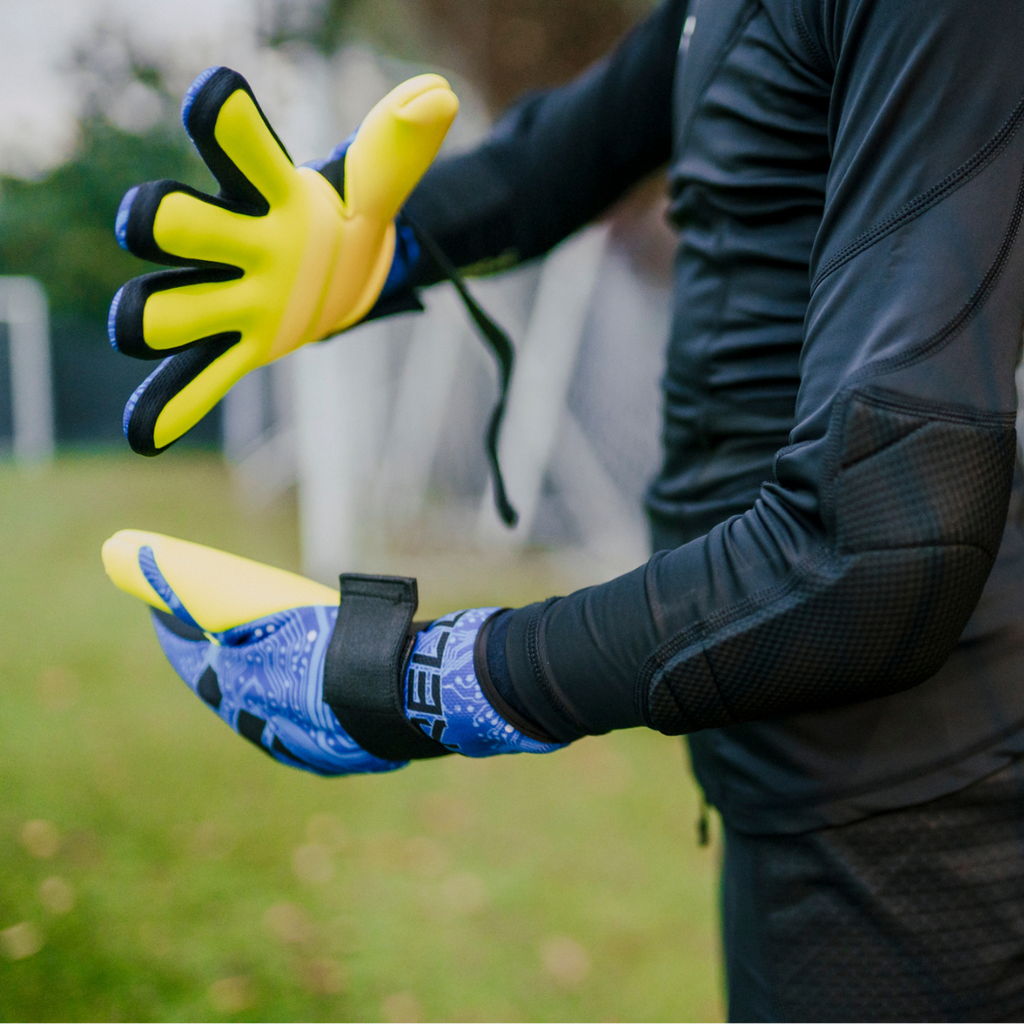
point(265, 679)
point(444, 698)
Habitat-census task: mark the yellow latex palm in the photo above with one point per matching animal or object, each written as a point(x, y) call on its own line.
point(279, 258)
point(212, 590)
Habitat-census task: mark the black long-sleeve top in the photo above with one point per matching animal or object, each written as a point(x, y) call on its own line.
point(846, 183)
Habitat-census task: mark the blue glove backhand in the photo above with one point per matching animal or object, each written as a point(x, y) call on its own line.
point(265, 679)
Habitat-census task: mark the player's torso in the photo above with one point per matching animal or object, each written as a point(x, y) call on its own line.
point(748, 181)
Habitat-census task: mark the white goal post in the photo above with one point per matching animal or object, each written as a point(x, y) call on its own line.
point(23, 308)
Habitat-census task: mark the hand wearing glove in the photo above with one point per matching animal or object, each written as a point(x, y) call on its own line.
point(335, 689)
point(281, 257)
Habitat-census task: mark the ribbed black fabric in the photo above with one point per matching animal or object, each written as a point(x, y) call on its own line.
point(497, 665)
point(877, 610)
point(912, 915)
point(492, 673)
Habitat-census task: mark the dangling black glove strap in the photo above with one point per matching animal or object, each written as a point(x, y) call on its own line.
point(504, 354)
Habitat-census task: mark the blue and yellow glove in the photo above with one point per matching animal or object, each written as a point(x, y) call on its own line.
point(282, 256)
point(333, 687)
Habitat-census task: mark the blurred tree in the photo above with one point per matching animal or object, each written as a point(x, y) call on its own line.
point(322, 24)
point(509, 46)
point(504, 47)
point(59, 229)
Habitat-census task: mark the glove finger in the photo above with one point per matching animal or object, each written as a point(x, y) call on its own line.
point(167, 222)
point(161, 314)
point(188, 651)
point(220, 591)
point(395, 145)
point(181, 391)
point(234, 138)
point(255, 730)
point(272, 688)
point(289, 747)
point(273, 668)
point(271, 682)
point(262, 678)
point(323, 753)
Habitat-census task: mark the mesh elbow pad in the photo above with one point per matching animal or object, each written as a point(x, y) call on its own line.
point(914, 512)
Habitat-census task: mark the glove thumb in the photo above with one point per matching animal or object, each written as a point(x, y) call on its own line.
point(395, 145)
point(202, 587)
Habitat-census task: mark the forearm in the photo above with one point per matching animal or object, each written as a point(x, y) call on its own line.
point(856, 570)
point(558, 159)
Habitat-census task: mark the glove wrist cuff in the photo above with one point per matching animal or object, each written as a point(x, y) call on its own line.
point(447, 700)
point(493, 694)
point(363, 667)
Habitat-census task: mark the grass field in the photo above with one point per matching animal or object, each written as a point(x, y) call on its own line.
point(154, 867)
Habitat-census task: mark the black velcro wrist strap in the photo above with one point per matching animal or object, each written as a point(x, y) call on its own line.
point(363, 670)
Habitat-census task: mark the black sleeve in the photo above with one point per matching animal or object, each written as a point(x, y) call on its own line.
point(860, 563)
point(557, 159)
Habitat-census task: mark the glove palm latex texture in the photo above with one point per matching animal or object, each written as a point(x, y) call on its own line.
point(251, 641)
point(281, 257)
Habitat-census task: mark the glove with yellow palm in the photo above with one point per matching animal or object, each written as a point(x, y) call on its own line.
point(333, 682)
point(282, 256)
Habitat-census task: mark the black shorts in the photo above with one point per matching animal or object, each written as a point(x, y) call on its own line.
point(915, 914)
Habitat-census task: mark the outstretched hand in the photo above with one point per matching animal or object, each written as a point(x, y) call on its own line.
point(280, 257)
point(249, 640)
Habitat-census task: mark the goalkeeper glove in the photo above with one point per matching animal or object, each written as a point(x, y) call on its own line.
point(332, 688)
point(281, 257)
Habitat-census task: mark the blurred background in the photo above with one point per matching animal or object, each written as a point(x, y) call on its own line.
point(150, 867)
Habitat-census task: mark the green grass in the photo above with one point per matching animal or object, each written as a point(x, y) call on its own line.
point(211, 883)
